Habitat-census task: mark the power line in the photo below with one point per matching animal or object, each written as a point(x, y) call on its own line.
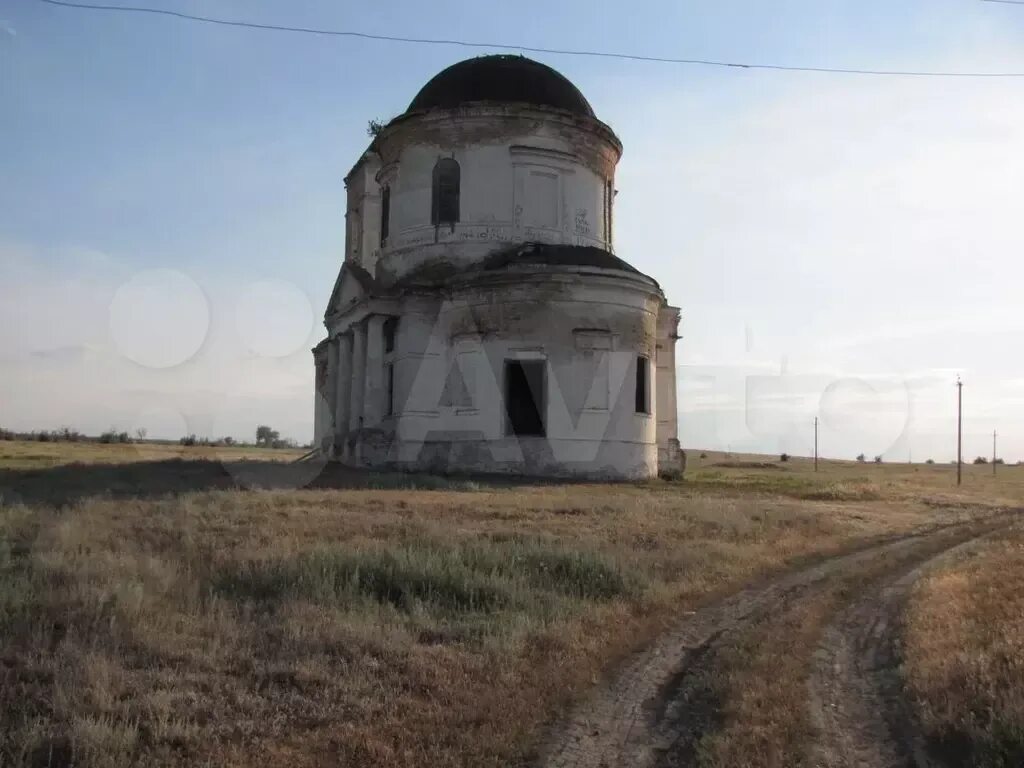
point(531, 49)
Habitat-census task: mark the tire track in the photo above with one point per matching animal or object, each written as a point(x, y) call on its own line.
point(857, 701)
point(653, 712)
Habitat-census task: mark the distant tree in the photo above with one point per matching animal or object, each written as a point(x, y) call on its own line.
point(189, 440)
point(1000, 461)
point(374, 127)
point(981, 460)
point(229, 440)
point(930, 461)
point(878, 459)
point(703, 455)
point(266, 436)
point(140, 433)
point(861, 458)
point(113, 436)
point(784, 457)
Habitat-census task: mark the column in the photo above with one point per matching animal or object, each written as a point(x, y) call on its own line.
point(332, 379)
point(343, 349)
point(373, 387)
point(322, 421)
point(673, 393)
point(355, 414)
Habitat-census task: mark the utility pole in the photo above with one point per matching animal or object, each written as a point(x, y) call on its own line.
point(993, 453)
point(959, 427)
point(815, 443)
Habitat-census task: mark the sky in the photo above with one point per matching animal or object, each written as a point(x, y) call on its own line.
point(841, 246)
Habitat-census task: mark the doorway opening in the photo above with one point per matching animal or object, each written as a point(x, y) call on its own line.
point(524, 397)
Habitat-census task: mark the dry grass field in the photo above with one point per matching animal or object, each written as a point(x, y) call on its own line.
point(153, 612)
point(964, 654)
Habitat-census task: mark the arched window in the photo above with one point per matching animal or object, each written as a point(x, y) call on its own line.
point(445, 201)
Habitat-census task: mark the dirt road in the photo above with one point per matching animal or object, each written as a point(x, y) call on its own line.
point(658, 707)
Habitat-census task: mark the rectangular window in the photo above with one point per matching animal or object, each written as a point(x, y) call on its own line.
point(385, 215)
point(524, 397)
point(643, 399)
point(389, 379)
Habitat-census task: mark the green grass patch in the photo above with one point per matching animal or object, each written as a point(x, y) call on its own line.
point(480, 577)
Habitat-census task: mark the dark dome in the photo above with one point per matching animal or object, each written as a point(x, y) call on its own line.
point(504, 79)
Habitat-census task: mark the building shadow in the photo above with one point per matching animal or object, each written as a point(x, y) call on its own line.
point(70, 483)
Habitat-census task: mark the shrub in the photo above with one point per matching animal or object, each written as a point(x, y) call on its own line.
point(703, 455)
point(930, 461)
point(861, 458)
point(878, 459)
point(189, 440)
point(981, 460)
point(112, 436)
point(784, 457)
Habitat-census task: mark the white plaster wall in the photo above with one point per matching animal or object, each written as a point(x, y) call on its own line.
point(520, 181)
point(496, 202)
point(363, 211)
point(482, 327)
point(587, 325)
point(669, 457)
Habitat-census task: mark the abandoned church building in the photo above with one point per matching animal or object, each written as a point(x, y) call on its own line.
point(480, 321)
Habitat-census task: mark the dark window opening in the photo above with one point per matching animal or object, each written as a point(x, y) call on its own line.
point(445, 199)
point(524, 397)
point(390, 329)
point(389, 375)
point(385, 215)
point(643, 404)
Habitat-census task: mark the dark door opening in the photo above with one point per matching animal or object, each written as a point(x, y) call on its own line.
point(524, 397)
